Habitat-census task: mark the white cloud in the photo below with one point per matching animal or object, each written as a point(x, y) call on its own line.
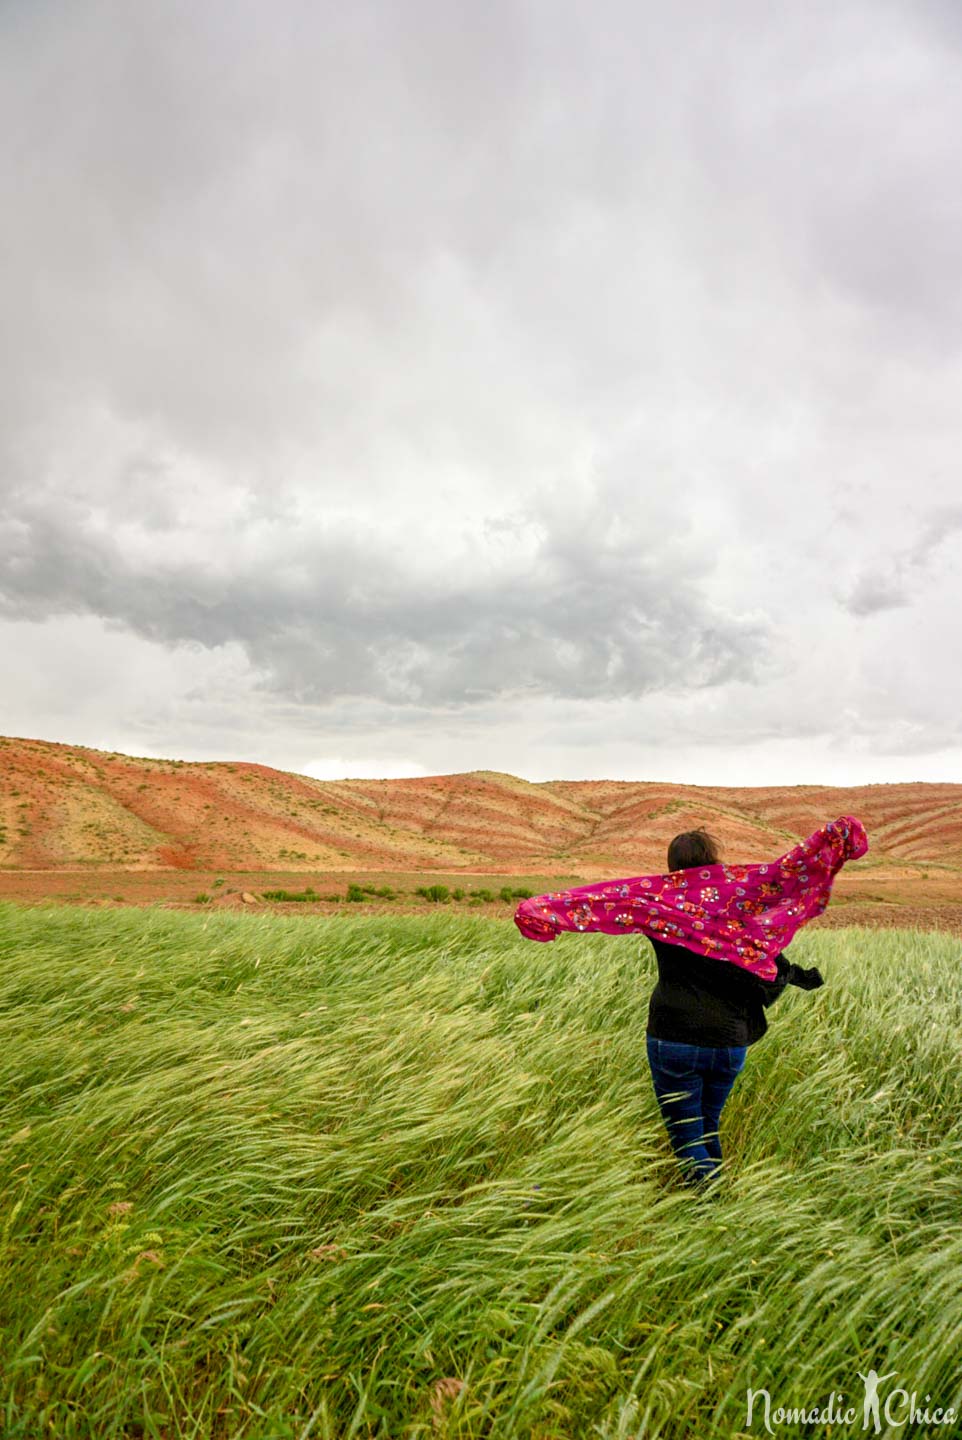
point(548, 389)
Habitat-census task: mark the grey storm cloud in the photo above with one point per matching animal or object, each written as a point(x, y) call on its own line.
point(906, 568)
point(327, 617)
point(873, 593)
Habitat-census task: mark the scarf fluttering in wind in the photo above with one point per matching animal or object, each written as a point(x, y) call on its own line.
point(744, 914)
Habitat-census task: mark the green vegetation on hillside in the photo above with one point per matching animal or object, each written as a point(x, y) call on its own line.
point(267, 1176)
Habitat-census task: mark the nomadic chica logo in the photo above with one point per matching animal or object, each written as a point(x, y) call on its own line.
point(900, 1407)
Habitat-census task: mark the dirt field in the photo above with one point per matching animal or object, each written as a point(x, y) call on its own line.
point(900, 899)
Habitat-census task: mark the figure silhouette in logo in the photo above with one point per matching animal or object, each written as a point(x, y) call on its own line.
point(871, 1397)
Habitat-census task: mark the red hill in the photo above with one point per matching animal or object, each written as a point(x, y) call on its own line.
point(64, 808)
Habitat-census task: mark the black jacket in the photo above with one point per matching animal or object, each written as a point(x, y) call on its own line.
point(704, 1001)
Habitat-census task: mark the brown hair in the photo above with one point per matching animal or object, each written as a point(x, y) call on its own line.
point(691, 849)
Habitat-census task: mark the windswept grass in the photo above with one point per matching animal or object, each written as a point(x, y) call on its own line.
point(283, 1177)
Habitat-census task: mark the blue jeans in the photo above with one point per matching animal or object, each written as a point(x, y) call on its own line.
point(692, 1083)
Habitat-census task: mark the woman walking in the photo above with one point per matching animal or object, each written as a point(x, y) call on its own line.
point(702, 1016)
point(719, 933)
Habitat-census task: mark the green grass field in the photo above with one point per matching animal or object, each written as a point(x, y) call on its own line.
point(404, 1176)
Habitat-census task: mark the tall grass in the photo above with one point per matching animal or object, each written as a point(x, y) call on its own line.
point(405, 1176)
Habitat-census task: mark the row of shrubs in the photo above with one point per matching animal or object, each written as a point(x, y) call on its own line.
point(441, 895)
point(356, 894)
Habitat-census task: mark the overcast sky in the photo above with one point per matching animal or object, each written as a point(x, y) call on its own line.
point(416, 386)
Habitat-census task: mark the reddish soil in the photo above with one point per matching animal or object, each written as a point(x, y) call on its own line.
point(83, 826)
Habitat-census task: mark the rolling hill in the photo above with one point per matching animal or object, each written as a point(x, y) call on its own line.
point(65, 807)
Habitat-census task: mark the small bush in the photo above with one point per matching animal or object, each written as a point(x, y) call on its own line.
point(458, 893)
point(438, 894)
point(505, 893)
point(522, 894)
point(483, 896)
point(219, 880)
point(355, 894)
point(202, 899)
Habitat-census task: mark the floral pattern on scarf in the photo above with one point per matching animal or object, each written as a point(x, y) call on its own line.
point(743, 914)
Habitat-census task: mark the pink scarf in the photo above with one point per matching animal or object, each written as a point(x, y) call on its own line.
point(744, 914)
